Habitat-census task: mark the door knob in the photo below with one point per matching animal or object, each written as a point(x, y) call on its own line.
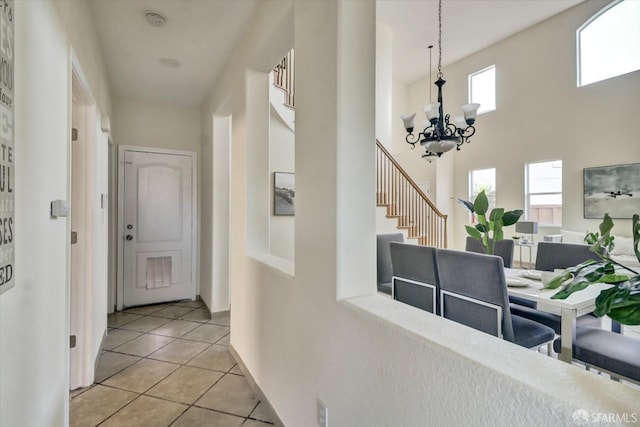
point(129, 237)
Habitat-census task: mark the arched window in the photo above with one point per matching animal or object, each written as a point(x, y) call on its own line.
point(609, 43)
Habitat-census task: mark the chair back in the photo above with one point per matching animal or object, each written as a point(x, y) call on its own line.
point(474, 291)
point(385, 271)
point(415, 276)
point(503, 248)
point(551, 255)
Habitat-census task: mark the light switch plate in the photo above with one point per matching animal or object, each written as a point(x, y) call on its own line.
point(60, 208)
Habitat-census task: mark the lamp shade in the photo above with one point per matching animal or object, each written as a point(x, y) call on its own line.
point(409, 121)
point(527, 227)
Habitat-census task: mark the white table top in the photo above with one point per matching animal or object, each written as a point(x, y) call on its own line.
point(582, 301)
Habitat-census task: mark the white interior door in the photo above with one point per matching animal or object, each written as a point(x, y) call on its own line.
point(157, 228)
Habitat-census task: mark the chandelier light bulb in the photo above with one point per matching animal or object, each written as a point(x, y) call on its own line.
point(470, 112)
point(409, 121)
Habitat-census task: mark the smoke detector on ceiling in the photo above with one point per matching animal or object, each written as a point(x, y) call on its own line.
point(155, 19)
point(170, 62)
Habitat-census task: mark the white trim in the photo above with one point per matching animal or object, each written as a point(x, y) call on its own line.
point(80, 297)
point(414, 282)
point(194, 215)
point(475, 301)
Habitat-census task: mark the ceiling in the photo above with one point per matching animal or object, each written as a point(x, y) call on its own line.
point(202, 34)
point(467, 27)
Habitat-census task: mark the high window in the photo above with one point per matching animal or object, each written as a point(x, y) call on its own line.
point(544, 192)
point(483, 179)
point(608, 43)
point(482, 89)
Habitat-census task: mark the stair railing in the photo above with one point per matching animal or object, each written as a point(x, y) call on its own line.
point(395, 189)
point(283, 78)
point(407, 202)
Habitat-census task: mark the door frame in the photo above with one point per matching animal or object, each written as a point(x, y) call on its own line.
point(120, 230)
point(81, 368)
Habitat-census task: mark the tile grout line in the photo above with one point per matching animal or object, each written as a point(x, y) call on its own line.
point(179, 366)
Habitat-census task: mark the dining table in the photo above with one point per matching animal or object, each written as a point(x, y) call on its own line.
point(527, 284)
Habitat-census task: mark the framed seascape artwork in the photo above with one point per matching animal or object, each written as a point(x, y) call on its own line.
point(284, 193)
point(612, 189)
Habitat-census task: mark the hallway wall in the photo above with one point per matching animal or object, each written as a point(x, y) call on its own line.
point(373, 361)
point(34, 315)
point(151, 124)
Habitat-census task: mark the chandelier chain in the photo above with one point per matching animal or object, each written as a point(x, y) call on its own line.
point(440, 39)
point(440, 133)
point(430, 69)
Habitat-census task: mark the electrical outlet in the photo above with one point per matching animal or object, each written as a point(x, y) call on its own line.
point(323, 414)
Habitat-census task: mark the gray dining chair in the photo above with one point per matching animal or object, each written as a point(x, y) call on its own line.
point(606, 351)
point(384, 269)
point(474, 293)
point(549, 257)
point(503, 248)
point(552, 255)
point(415, 276)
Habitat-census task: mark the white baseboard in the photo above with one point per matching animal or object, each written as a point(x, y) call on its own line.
point(254, 386)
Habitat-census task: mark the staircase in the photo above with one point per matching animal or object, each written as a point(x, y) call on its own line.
point(395, 190)
point(404, 201)
point(283, 78)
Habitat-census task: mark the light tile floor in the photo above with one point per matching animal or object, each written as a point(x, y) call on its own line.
point(168, 365)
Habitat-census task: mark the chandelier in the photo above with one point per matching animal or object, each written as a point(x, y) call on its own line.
point(439, 134)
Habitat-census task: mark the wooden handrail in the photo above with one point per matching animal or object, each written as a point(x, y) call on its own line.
point(408, 178)
point(407, 202)
point(395, 188)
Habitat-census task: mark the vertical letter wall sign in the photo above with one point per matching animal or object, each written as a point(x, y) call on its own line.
point(7, 191)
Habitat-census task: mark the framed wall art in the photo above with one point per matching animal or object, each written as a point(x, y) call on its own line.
point(612, 189)
point(284, 193)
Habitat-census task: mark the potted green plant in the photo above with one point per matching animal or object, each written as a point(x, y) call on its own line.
point(621, 302)
point(488, 230)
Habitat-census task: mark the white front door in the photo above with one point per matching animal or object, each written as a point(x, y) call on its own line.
point(157, 227)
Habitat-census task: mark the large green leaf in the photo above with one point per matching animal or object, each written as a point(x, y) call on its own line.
point(624, 308)
point(511, 217)
point(605, 240)
point(572, 271)
point(586, 274)
point(605, 300)
point(496, 214)
point(627, 315)
point(467, 204)
point(574, 287)
point(621, 302)
point(481, 203)
point(606, 225)
point(473, 232)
